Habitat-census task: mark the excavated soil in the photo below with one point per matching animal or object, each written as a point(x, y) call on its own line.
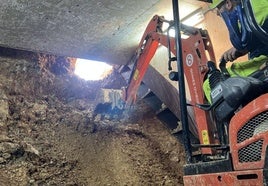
point(49, 137)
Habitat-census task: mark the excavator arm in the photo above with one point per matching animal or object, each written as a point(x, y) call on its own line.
point(197, 49)
point(148, 45)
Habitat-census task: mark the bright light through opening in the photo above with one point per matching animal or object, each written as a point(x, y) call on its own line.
point(92, 70)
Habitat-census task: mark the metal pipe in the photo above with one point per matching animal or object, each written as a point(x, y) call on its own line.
point(181, 83)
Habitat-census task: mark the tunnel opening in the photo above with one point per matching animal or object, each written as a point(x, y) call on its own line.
point(92, 70)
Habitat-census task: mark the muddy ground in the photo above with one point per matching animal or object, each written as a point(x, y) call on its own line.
point(48, 136)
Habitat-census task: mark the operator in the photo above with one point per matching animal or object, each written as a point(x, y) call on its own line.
point(243, 41)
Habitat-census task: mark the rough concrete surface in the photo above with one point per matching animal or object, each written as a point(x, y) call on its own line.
point(107, 30)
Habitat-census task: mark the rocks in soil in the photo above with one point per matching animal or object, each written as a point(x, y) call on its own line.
point(51, 132)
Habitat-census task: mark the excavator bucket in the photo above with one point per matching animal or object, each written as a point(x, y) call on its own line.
point(109, 103)
point(113, 97)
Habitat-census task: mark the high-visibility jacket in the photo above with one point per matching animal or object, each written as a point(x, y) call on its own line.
point(258, 50)
point(243, 38)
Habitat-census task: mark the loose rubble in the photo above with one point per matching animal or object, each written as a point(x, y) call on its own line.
point(48, 135)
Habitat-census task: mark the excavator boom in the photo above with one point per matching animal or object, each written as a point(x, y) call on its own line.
point(196, 51)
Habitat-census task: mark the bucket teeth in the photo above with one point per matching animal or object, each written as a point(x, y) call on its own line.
point(113, 96)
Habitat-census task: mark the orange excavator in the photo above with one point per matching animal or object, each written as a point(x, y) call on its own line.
point(232, 130)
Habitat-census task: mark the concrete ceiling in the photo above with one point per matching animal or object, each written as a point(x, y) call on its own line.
point(104, 30)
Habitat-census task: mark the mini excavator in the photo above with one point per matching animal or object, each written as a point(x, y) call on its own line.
point(232, 130)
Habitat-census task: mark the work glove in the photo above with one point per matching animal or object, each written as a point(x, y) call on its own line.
point(232, 54)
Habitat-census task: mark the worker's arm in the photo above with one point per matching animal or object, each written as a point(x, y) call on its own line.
point(232, 54)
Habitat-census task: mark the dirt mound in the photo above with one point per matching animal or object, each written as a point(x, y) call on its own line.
point(48, 136)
